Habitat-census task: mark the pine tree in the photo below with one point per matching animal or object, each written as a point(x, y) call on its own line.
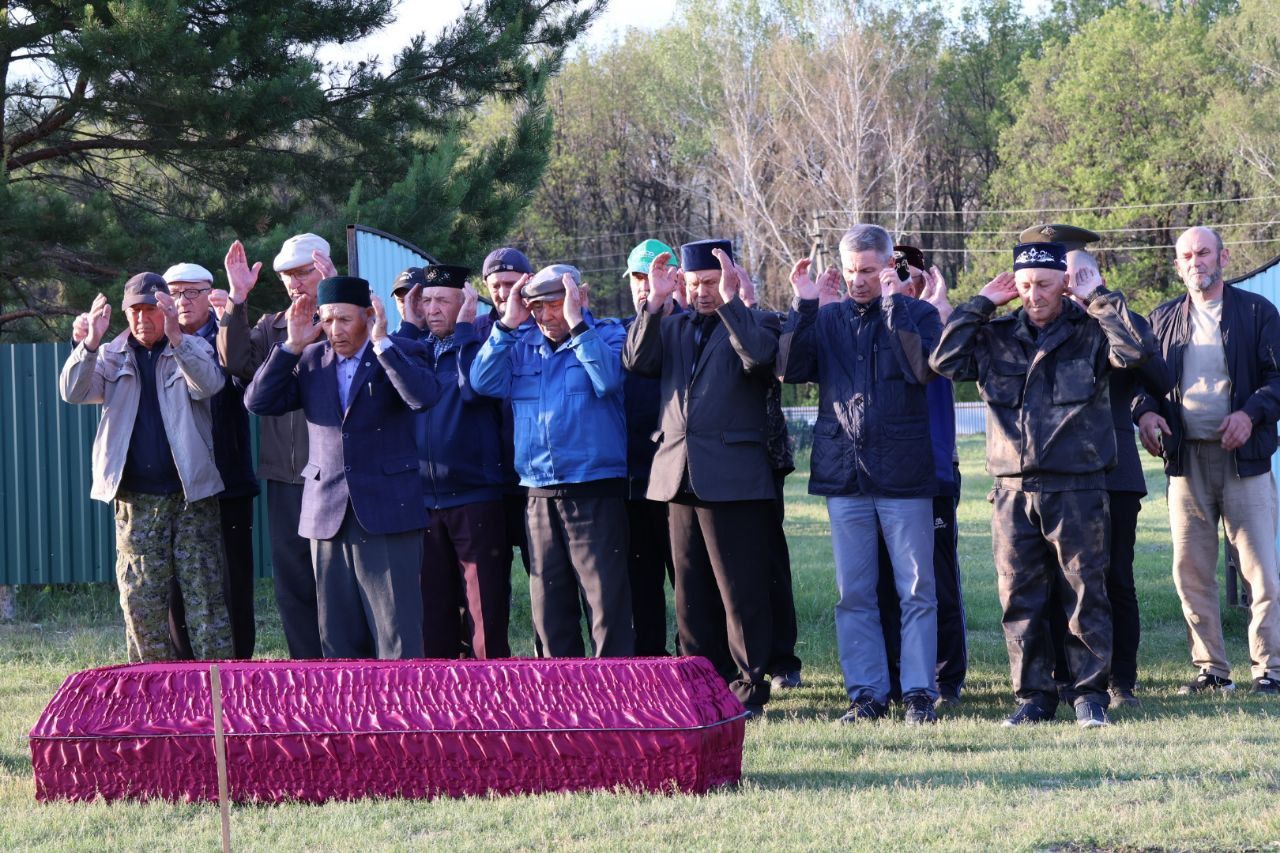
point(141, 132)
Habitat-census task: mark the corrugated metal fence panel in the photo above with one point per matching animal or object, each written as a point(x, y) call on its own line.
point(50, 531)
point(378, 258)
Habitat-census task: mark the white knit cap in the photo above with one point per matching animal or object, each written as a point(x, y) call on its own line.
point(296, 251)
point(187, 272)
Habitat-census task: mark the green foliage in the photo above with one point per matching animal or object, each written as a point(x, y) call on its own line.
point(148, 131)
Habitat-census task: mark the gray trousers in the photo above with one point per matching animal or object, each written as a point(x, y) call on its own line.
point(907, 524)
point(578, 551)
point(368, 592)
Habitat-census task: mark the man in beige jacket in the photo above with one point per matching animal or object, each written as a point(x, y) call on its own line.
point(153, 457)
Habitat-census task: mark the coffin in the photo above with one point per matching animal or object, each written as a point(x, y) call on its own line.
point(320, 730)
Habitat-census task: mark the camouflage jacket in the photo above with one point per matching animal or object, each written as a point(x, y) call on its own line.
point(1049, 425)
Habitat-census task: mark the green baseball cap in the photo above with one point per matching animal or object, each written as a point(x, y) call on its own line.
point(642, 256)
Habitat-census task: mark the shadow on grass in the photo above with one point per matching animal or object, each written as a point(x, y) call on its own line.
point(15, 763)
point(1044, 780)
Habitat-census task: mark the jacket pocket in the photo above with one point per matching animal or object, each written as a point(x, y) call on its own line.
point(525, 379)
point(310, 471)
point(1003, 383)
point(576, 380)
point(742, 436)
point(1073, 381)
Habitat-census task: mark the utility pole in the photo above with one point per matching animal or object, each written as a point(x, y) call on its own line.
point(817, 250)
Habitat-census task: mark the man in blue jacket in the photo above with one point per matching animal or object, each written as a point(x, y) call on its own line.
point(466, 558)
point(869, 355)
point(362, 501)
point(563, 376)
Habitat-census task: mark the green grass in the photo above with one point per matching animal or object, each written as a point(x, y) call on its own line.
point(1181, 773)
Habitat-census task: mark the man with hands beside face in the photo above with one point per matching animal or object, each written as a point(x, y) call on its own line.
point(466, 558)
point(1216, 431)
point(564, 380)
point(715, 362)
point(1044, 372)
point(869, 355)
point(303, 260)
point(362, 499)
point(153, 458)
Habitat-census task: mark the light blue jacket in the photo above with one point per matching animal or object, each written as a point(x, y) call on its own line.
point(570, 425)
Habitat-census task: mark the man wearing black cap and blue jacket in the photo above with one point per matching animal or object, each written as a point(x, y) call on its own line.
point(715, 362)
point(362, 501)
point(1043, 371)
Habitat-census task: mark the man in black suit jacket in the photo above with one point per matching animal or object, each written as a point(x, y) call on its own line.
point(715, 364)
point(362, 500)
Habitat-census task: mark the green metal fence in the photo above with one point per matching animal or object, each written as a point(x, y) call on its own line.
point(50, 531)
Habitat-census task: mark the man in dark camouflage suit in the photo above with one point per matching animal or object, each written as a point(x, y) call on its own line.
point(1043, 371)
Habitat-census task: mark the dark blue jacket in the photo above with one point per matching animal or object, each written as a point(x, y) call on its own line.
point(460, 437)
point(232, 450)
point(1153, 377)
point(942, 429)
point(366, 456)
point(1251, 337)
point(871, 363)
point(643, 404)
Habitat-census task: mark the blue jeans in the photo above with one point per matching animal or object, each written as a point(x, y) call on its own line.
point(907, 525)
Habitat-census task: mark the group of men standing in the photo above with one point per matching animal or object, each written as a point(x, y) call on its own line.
point(404, 465)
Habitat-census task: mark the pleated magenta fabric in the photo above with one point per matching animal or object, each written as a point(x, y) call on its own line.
point(340, 729)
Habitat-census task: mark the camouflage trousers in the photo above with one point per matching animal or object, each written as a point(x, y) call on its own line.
point(1059, 543)
point(159, 537)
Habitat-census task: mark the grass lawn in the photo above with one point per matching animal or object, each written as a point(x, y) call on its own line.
point(1180, 773)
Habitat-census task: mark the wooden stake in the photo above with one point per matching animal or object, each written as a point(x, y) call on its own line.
point(220, 753)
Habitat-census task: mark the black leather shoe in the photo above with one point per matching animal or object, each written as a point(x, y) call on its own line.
point(1027, 714)
point(1206, 682)
point(1122, 697)
point(864, 709)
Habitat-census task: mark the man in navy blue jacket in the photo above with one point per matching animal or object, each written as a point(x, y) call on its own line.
point(564, 378)
point(869, 355)
point(362, 501)
point(466, 558)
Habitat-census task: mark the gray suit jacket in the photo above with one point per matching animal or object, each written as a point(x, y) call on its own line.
point(713, 410)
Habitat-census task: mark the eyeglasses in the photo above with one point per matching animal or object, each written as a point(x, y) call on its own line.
point(298, 273)
point(189, 294)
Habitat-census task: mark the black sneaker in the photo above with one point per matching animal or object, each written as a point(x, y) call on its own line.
point(947, 698)
point(919, 709)
point(1091, 715)
point(787, 680)
point(864, 709)
point(754, 712)
point(1265, 684)
point(1204, 682)
point(1028, 714)
point(1122, 697)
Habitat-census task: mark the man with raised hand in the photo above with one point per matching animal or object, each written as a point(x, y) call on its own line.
point(869, 355)
point(153, 459)
point(715, 362)
point(191, 287)
point(1216, 431)
point(466, 558)
point(1044, 373)
point(362, 501)
point(302, 262)
point(563, 378)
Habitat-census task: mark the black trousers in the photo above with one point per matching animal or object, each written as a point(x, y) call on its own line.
point(953, 648)
point(292, 572)
point(237, 584)
point(648, 567)
point(369, 592)
point(1126, 630)
point(723, 580)
point(1051, 551)
point(781, 593)
point(466, 583)
point(578, 557)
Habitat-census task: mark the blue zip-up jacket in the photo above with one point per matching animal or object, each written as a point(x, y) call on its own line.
point(570, 426)
point(460, 437)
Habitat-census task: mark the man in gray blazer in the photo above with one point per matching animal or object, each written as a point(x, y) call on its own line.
point(715, 364)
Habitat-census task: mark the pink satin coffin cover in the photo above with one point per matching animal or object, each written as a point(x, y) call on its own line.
point(321, 730)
